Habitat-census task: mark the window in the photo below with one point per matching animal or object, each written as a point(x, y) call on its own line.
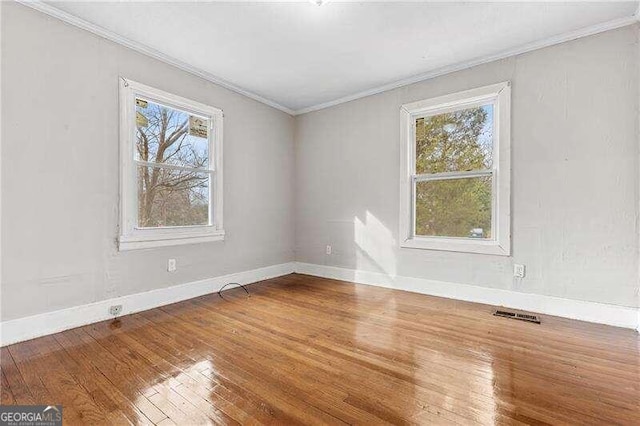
point(171, 169)
point(455, 183)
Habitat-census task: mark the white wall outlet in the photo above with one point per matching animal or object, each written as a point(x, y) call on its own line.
point(172, 265)
point(519, 271)
point(328, 250)
point(115, 310)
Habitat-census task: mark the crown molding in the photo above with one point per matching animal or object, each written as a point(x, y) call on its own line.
point(50, 10)
point(573, 35)
point(53, 11)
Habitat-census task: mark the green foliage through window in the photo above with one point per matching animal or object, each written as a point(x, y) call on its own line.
point(458, 141)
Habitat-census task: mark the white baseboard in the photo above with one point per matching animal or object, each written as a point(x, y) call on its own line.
point(21, 329)
point(620, 316)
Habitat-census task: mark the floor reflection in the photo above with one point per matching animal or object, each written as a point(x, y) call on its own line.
point(304, 350)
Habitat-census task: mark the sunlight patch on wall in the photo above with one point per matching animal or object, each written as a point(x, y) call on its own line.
point(376, 245)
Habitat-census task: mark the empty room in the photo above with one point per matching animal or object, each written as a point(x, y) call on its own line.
point(319, 213)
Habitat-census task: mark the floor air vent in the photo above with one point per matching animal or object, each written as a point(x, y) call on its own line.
point(521, 317)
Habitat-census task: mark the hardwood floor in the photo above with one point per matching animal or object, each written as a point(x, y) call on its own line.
point(306, 350)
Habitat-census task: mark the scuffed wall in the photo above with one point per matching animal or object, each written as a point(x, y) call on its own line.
point(574, 176)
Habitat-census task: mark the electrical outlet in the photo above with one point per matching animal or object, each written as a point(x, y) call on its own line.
point(171, 265)
point(115, 310)
point(328, 250)
point(519, 271)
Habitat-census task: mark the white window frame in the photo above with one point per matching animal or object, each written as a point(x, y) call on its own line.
point(130, 236)
point(499, 95)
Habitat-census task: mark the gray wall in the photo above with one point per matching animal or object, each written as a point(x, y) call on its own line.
point(60, 172)
point(574, 180)
point(575, 174)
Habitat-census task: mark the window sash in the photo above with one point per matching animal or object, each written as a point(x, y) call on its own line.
point(210, 170)
point(174, 167)
point(184, 109)
point(211, 207)
point(452, 176)
point(430, 177)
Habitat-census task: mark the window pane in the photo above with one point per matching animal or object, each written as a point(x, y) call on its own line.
point(170, 136)
point(454, 208)
point(456, 141)
point(169, 197)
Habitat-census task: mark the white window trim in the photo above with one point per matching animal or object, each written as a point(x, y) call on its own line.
point(131, 237)
point(498, 94)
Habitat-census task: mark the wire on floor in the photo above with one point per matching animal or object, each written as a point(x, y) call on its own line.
point(238, 284)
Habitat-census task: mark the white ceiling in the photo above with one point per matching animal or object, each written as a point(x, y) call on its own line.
point(302, 56)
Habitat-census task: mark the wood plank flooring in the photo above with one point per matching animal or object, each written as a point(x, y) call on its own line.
point(306, 350)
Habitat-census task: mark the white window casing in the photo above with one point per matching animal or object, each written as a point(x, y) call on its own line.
point(499, 95)
point(130, 235)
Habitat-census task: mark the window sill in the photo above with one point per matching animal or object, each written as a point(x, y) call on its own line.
point(126, 243)
point(462, 245)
